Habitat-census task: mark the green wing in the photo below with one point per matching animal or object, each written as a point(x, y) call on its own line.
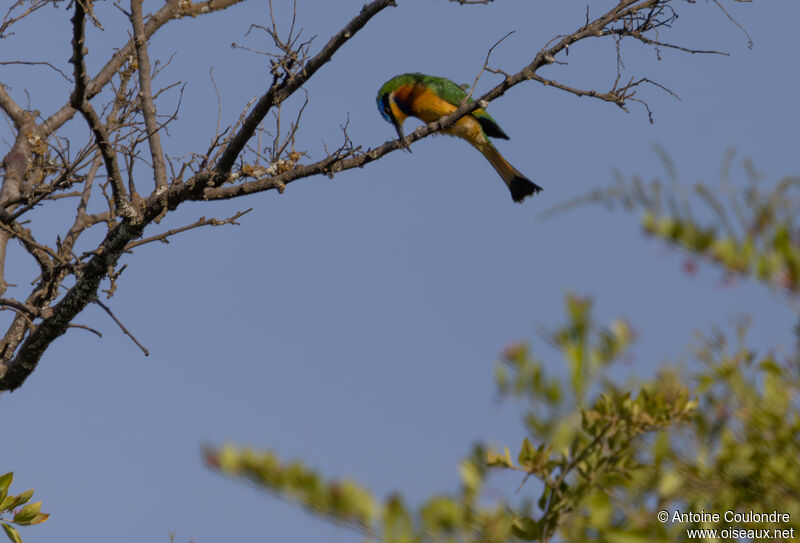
point(453, 93)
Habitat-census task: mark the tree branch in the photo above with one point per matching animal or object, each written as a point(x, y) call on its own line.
point(11, 108)
point(15, 163)
point(146, 96)
point(202, 221)
point(279, 92)
point(80, 102)
point(172, 10)
point(24, 344)
point(28, 310)
point(334, 164)
point(122, 326)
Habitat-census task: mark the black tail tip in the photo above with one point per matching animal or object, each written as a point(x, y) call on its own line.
point(521, 188)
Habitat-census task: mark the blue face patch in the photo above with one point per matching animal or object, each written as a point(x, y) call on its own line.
point(384, 108)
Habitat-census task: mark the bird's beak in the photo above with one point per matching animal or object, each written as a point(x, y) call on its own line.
point(399, 128)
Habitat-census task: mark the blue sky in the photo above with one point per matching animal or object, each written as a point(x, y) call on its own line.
point(355, 321)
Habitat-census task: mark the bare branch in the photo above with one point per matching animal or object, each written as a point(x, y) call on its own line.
point(36, 63)
point(617, 95)
point(33, 173)
point(173, 9)
point(486, 63)
point(122, 326)
point(11, 108)
point(649, 41)
point(79, 101)
point(8, 20)
point(59, 183)
point(15, 164)
point(734, 21)
point(38, 251)
point(3, 247)
point(28, 310)
point(146, 96)
point(278, 92)
point(84, 327)
point(625, 9)
point(202, 221)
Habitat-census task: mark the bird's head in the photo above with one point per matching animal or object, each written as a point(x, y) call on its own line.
point(388, 104)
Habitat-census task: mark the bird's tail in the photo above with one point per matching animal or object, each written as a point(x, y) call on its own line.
point(519, 185)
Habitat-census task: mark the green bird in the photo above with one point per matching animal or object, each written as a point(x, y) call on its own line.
point(429, 98)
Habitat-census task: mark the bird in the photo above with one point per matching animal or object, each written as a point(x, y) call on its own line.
point(428, 98)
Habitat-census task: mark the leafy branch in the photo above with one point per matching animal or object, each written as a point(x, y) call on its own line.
point(748, 229)
point(21, 512)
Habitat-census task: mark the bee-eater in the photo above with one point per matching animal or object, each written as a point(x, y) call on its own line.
point(428, 98)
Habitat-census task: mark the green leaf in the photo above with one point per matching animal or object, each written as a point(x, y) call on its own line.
point(470, 475)
point(527, 453)
point(397, 524)
point(496, 460)
point(526, 528)
point(228, 459)
point(600, 509)
point(670, 483)
point(441, 514)
point(661, 447)
point(542, 501)
point(38, 519)
point(11, 532)
point(12, 502)
point(27, 513)
point(5, 482)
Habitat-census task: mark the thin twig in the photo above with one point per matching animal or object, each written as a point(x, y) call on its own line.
point(84, 327)
point(122, 326)
point(734, 21)
point(486, 63)
point(202, 221)
point(36, 63)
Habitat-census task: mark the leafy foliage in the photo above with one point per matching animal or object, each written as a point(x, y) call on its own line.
point(581, 453)
point(750, 231)
point(721, 437)
point(734, 448)
point(22, 513)
point(442, 517)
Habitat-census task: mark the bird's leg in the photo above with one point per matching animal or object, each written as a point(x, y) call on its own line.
point(399, 128)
